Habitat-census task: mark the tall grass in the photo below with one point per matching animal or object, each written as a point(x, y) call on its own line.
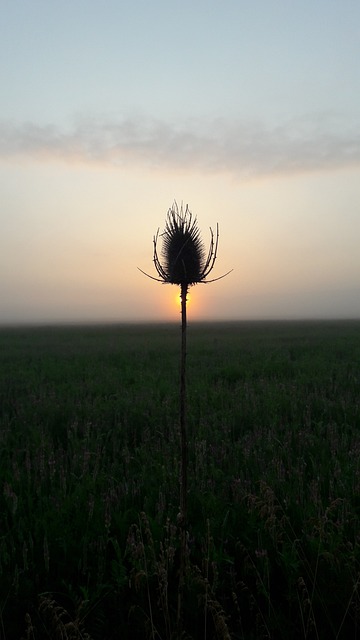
point(89, 481)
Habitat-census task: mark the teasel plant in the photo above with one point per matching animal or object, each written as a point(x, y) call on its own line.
point(183, 262)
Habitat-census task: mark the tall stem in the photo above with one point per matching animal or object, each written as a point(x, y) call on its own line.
point(184, 456)
point(184, 447)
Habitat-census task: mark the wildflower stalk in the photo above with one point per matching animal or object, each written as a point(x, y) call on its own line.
point(184, 445)
point(184, 458)
point(184, 263)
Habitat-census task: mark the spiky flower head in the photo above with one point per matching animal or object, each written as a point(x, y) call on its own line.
point(184, 260)
point(182, 250)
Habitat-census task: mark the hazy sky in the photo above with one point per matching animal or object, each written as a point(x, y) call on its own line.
point(249, 111)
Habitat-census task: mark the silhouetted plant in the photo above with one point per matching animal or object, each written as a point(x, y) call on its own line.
point(184, 263)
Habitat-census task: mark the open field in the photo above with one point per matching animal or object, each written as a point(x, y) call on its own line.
point(89, 481)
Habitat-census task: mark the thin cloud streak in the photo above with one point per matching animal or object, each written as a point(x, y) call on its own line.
point(251, 149)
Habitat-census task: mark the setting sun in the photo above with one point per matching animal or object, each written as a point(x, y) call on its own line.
point(178, 299)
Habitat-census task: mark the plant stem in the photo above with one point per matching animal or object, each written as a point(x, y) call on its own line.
point(184, 446)
point(184, 456)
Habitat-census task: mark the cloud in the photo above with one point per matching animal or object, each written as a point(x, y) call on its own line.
point(246, 149)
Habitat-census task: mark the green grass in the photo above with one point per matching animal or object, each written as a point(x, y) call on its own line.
point(89, 481)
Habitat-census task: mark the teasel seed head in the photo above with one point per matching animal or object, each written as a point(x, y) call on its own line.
point(184, 260)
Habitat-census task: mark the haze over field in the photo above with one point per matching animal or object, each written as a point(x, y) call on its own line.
point(248, 112)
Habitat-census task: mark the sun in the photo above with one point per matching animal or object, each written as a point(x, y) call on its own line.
point(178, 300)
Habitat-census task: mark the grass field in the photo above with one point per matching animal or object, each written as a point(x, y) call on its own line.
point(89, 481)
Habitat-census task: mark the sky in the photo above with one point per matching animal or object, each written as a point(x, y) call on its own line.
point(249, 112)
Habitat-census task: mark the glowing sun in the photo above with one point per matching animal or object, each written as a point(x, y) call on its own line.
point(178, 300)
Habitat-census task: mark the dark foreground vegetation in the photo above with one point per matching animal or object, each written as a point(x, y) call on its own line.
point(89, 482)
